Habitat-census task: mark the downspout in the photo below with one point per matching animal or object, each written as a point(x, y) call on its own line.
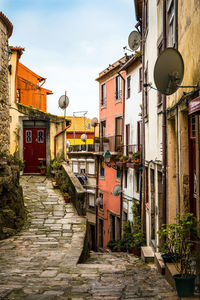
point(57, 134)
point(123, 121)
point(143, 206)
point(96, 208)
point(164, 151)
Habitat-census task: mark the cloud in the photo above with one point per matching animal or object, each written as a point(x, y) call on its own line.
point(70, 42)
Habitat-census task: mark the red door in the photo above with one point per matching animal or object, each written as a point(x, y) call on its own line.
point(192, 164)
point(34, 148)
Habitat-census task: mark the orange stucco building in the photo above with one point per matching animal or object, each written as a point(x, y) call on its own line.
point(111, 103)
point(29, 89)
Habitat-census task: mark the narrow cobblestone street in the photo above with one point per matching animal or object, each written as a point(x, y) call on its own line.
point(41, 261)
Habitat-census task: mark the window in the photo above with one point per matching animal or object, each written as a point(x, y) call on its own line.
point(91, 199)
point(91, 168)
point(118, 172)
point(103, 94)
point(118, 92)
point(40, 136)
point(146, 15)
point(28, 136)
point(140, 79)
point(118, 133)
point(137, 177)
point(102, 169)
point(18, 96)
point(88, 125)
point(125, 178)
point(127, 137)
point(171, 22)
point(128, 87)
point(75, 166)
point(103, 128)
point(101, 205)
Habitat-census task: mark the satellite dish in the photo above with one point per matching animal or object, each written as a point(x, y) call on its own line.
point(168, 71)
point(63, 102)
point(134, 40)
point(99, 201)
point(117, 190)
point(84, 137)
point(68, 143)
point(94, 122)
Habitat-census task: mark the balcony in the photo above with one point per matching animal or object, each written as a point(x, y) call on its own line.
point(111, 143)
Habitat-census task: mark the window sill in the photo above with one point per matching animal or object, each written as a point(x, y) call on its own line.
point(102, 177)
point(103, 106)
point(118, 100)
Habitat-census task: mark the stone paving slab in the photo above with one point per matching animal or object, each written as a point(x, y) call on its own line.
point(40, 263)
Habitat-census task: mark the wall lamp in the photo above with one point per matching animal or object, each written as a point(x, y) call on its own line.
point(107, 156)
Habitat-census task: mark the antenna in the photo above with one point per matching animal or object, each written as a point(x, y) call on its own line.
point(117, 190)
point(134, 40)
point(94, 122)
point(168, 71)
point(63, 102)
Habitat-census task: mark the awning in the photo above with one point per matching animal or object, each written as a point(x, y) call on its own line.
point(194, 106)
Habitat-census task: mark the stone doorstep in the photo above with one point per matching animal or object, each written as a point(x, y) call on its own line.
point(170, 270)
point(147, 254)
point(160, 265)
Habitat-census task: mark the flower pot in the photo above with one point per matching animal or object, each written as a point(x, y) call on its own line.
point(67, 199)
point(42, 171)
point(167, 258)
point(185, 285)
point(134, 251)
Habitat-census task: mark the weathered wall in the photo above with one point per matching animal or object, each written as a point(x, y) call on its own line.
point(12, 212)
point(4, 110)
point(178, 169)
point(74, 188)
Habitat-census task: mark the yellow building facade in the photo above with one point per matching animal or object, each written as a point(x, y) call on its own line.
point(183, 117)
point(81, 125)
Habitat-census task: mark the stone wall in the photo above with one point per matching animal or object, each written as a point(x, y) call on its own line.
point(70, 184)
point(12, 212)
point(4, 109)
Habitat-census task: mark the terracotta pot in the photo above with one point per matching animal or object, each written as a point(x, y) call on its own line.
point(42, 171)
point(134, 251)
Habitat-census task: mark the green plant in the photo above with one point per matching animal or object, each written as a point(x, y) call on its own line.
point(176, 241)
point(124, 158)
point(136, 155)
point(42, 167)
point(56, 163)
point(113, 245)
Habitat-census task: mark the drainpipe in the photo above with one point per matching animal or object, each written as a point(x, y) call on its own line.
point(143, 207)
point(164, 152)
point(57, 134)
point(123, 114)
point(96, 206)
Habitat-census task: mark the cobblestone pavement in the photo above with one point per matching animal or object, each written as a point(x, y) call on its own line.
point(40, 263)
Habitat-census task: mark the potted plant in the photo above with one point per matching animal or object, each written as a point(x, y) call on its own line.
point(67, 197)
point(42, 169)
point(176, 242)
point(136, 157)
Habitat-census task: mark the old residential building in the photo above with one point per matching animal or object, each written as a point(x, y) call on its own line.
point(111, 103)
point(132, 134)
point(36, 136)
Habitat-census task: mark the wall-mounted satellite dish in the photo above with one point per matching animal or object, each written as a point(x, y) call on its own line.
point(134, 40)
point(168, 71)
point(94, 122)
point(63, 102)
point(99, 201)
point(84, 137)
point(68, 143)
point(117, 190)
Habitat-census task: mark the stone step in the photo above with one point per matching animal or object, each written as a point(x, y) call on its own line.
point(159, 263)
point(147, 254)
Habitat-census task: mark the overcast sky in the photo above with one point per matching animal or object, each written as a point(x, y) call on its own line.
point(69, 42)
